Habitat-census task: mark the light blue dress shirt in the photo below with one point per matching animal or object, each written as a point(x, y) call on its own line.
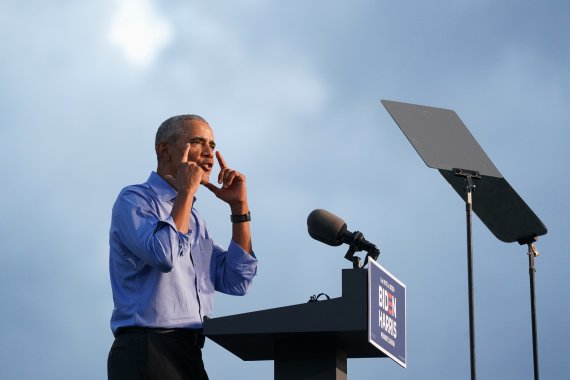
point(159, 276)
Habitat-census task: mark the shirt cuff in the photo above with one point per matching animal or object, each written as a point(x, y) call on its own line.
point(238, 258)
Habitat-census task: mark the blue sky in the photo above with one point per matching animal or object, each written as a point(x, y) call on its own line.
point(292, 90)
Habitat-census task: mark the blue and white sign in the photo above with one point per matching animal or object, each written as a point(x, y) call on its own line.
point(387, 313)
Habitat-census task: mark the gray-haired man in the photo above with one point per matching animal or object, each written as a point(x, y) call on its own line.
point(164, 265)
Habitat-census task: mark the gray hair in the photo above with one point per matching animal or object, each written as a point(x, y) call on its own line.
point(171, 128)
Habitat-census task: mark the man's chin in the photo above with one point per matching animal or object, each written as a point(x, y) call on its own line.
point(205, 180)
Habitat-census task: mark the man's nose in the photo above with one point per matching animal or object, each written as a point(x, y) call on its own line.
point(208, 151)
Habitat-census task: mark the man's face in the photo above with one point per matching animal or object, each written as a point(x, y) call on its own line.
point(201, 139)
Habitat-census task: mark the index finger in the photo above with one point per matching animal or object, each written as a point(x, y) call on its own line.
point(221, 160)
point(184, 158)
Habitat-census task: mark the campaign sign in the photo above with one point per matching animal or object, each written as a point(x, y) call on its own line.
point(387, 313)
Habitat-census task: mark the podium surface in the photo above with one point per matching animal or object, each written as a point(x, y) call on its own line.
point(307, 341)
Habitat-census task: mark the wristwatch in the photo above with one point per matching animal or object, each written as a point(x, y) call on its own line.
point(240, 218)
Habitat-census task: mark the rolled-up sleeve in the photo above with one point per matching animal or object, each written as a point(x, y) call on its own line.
point(150, 238)
point(235, 269)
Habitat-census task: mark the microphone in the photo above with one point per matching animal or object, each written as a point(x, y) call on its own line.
point(328, 228)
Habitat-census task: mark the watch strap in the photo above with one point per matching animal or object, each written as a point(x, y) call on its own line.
point(241, 218)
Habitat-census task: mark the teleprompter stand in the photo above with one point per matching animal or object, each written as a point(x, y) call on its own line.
point(444, 143)
point(310, 341)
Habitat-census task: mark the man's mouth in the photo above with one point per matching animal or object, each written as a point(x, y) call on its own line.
point(206, 166)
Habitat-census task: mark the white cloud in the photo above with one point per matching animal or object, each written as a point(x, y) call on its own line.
point(139, 31)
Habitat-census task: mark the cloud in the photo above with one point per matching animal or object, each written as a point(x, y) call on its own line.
point(139, 31)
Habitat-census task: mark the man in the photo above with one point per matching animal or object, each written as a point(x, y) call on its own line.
point(164, 266)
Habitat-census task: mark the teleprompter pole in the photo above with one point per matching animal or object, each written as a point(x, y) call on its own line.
point(469, 209)
point(532, 253)
point(469, 188)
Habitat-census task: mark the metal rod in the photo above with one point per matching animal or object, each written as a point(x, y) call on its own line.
point(532, 252)
point(469, 176)
point(469, 209)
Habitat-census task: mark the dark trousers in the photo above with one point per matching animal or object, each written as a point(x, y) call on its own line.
point(156, 354)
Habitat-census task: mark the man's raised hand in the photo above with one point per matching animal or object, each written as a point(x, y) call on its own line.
point(233, 190)
point(188, 175)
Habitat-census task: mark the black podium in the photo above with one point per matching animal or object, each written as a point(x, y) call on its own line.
point(306, 341)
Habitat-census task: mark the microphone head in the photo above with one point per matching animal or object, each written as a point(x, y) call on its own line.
point(326, 227)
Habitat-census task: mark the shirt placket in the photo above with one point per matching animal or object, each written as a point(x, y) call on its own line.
point(196, 277)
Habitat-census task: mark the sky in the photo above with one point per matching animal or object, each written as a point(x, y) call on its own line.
point(292, 90)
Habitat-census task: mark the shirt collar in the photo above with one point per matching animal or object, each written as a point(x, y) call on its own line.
point(163, 190)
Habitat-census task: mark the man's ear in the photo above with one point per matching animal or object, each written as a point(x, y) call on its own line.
point(162, 151)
